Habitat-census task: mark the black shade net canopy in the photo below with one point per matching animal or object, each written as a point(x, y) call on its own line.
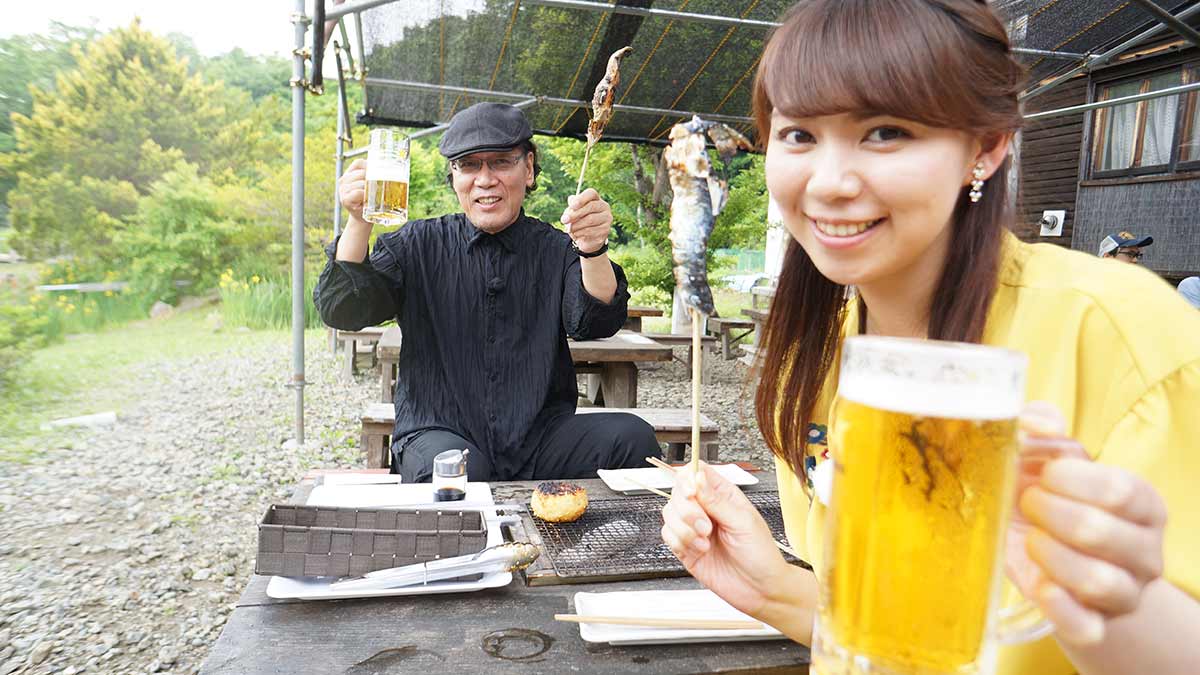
point(427, 59)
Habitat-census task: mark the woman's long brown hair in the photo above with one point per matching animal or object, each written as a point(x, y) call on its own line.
point(943, 63)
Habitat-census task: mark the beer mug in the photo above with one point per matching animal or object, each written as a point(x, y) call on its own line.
point(924, 441)
point(387, 178)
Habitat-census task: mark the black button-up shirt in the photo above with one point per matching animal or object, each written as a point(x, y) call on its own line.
point(485, 321)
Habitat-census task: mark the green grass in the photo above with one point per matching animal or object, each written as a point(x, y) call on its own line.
point(89, 373)
point(729, 304)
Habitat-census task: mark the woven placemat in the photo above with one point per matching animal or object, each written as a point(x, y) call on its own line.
point(295, 541)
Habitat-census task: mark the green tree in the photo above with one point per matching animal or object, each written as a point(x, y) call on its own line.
point(30, 60)
point(185, 229)
point(126, 114)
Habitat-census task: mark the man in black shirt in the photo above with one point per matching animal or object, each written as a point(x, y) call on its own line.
point(486, 299)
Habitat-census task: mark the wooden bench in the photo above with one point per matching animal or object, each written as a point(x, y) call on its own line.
point(685, 340)
point(387, 352)
point(751, 351)
point(724, 329)
point(352, 340)
point(672, 426)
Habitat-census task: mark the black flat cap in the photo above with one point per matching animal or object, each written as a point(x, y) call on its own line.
point(484, 127)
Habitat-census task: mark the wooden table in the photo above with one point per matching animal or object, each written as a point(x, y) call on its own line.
point(495, 631)
point(350, 339)
point(765, 292)
point(634, 316)
point(611, 365)
point(387, 352)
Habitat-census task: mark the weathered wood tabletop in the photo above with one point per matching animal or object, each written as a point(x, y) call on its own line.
point(496, 631)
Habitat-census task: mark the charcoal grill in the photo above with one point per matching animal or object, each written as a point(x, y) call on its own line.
point(620, 538)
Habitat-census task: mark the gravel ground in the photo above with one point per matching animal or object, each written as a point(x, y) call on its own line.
point(123, 550)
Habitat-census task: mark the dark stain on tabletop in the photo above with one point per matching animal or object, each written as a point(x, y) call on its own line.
point(516, 644)
point(390, 660)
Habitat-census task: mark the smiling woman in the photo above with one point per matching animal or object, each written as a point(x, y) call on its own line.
point(887, 126)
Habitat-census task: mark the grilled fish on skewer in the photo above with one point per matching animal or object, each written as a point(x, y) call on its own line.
point(602, 99)
point(698, 198)
point(602, 102)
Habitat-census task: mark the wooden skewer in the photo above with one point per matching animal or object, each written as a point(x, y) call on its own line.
point(697, 369)
point(663, 465)
point(692, 624)
point(586, 153)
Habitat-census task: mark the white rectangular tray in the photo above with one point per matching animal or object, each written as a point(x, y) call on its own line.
point(617, 480)
point(399, 496)
point(688, 604)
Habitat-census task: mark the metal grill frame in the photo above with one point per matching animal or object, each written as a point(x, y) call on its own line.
point(606, 556)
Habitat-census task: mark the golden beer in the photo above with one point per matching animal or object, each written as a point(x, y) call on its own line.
point(924, 440)
point(387, 202)
point(387, 178)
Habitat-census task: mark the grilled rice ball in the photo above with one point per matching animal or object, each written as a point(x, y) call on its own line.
point(559, 502)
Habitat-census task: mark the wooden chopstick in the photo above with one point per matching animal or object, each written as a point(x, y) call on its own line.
point(642, 485)
point(691, 624)
point(660, 464)
point(663, 465)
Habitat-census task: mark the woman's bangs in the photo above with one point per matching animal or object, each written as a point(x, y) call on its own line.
point(848, 57)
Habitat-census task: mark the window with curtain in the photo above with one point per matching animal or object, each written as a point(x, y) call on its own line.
point(1152, 136)
point(1189, 144)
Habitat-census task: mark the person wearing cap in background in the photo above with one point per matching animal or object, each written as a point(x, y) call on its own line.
point(1189, 288)
point(1124, 246)
point(486, 299)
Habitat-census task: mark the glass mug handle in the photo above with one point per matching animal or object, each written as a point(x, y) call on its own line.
point(1023, 621)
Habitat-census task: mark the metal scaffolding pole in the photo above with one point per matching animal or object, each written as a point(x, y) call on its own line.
point(1101, 59)
point(1170, 91)
point(1170, 20)
point(354, 8)
point(1070, 56)
point(661, 13)
point(553, 100)
point(298, 83)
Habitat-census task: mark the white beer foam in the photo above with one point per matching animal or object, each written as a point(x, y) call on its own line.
point(392, 172)
point(926, 399)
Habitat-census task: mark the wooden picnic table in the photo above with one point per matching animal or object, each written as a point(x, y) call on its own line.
point(387, 352)
point(611, 365)
point(765, 292)
point(350, 339)
point(634, 316)
point(495, 631)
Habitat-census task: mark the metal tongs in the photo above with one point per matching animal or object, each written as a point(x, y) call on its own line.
point(509, 557)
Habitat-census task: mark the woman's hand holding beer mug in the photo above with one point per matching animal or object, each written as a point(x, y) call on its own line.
point(725, 544)
point(1086, 544)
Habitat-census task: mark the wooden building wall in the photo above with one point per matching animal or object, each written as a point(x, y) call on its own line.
point(1049, 161)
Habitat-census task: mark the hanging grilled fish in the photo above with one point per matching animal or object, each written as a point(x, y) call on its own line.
point(509, 557)
point(698, 197)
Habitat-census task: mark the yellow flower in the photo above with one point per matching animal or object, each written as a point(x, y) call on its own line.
point(87, 310)
point(245, 286)
point(255, 279)
point(108, 294)
point(70, 307)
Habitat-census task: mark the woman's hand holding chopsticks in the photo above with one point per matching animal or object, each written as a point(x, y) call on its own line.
point(726, 545)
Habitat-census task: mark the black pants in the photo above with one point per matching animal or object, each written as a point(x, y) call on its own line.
point(574, 447)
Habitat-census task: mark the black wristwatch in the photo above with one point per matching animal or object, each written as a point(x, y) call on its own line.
point(594, 254)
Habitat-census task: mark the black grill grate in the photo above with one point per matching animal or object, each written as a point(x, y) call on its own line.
point(622, 537)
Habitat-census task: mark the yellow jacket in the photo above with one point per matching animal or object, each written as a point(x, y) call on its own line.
point(1118, 351)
